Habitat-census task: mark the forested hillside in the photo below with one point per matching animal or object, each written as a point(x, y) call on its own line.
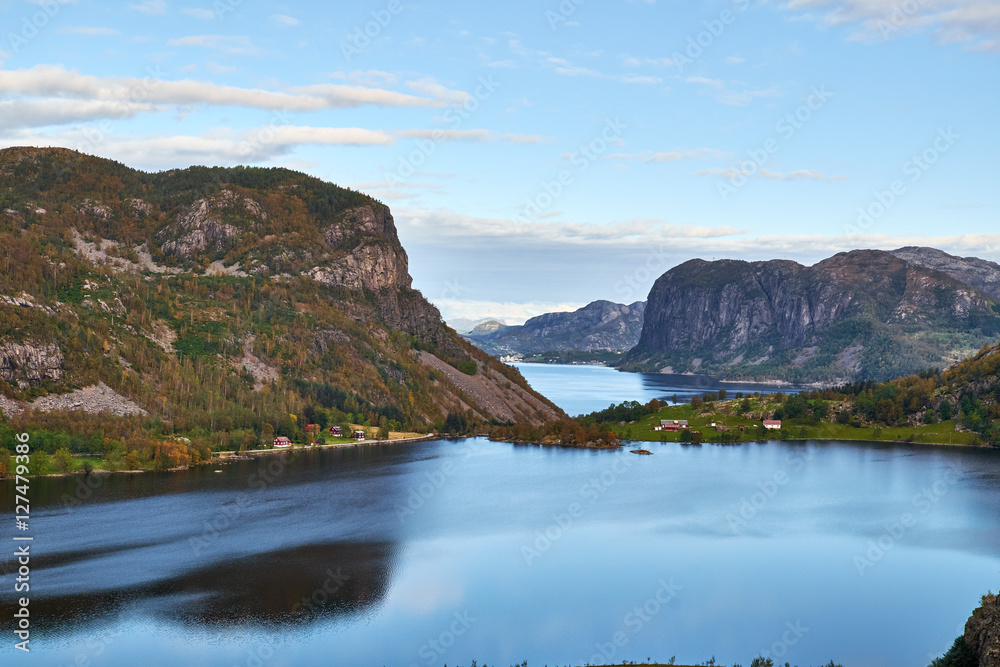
point(218, 304)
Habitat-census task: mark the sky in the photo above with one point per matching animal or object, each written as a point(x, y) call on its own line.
point(541, 155)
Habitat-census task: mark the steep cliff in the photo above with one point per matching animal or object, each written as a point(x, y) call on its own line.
point(601, 325)
point(982, 632)
point(223, 298)
point(860, 315)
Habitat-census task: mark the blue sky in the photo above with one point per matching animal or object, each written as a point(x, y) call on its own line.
point(541, 155)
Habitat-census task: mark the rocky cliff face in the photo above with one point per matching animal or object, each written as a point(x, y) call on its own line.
point(864, 314)
point(30, 364)
point(970, 270)
point(982, 632)
point(601, 325)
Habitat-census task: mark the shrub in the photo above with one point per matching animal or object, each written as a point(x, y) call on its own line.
point(468, 367)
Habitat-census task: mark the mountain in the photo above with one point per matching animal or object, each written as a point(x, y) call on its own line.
point(464, 325)
point(601, 325)
point(970, 270)
point(217, 301)
point(865, 314)
point(488, 328)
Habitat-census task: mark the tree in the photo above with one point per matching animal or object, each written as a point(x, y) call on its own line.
point(267, 434)
point(63, 460)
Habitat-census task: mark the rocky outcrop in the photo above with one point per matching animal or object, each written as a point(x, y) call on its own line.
point(732, 315)
point(970, 270)
point(982, 632)
point(372, 266)
point(601, 325)
point(208, 224)
point(24, 364)
point(96, 399)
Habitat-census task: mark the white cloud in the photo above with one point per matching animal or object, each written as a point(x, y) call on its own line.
point(637, 233)
point(676, 155)
point(431, 88)
point(220, 146)
point(639, 61)
point(16, 114)
point(48, 81)
point(152, 7)
point(335, 95)
point(470, 135)
point(284, 20)
point(763, 172)
point(973, 22)
point(511, 312)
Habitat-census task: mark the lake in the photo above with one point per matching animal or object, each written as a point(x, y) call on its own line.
point(581, 389)
point(446, 552)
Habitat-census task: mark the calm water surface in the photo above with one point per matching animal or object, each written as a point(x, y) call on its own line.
point(580, 389)
point(448, 551)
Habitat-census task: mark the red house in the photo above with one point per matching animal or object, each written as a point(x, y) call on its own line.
point(335, 430)
point(313, 429)
point(282, 442)
point(359, 435)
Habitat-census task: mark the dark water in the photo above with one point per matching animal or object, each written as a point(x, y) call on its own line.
point(580, 389)
point(450, 551)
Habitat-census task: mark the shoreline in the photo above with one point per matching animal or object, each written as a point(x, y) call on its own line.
point(861, 440)
point(222, 456)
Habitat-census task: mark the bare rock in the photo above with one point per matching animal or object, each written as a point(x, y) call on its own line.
point(30, 363)
point(94, 399)
point(982, 632)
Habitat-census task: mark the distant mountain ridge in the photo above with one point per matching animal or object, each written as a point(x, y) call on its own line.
point(865, 314)
point(973, 271)
point(598, 326)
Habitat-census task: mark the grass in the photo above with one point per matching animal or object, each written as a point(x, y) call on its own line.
point(725, 414)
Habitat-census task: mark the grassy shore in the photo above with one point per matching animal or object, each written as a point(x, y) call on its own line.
point(728, 418)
